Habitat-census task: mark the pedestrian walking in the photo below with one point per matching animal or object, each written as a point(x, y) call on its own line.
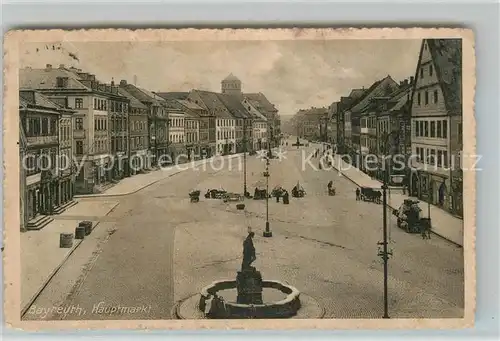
point(357, 194)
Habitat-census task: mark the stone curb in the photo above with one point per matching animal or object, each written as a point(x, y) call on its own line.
point(104, 195)
point(391, 206)
point(52, 274)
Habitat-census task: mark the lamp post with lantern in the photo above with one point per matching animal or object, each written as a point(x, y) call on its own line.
point(384, 253)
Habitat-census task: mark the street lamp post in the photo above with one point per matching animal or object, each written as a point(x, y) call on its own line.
point(244, 158)
point(385, 253)
point(267, 232)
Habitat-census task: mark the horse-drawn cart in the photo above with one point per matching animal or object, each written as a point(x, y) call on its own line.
point(369, 194)
point(409, 219)
point(215, 193)
point(232, 197)
point(194, 196)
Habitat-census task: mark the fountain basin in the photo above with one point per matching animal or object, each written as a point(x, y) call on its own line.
point(284, 308)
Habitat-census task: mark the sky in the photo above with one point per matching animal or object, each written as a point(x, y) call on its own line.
point(292, 74)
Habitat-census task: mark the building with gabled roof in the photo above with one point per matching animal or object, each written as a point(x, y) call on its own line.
point(90, 99)
point(436, 118)
point(158, 124)
point(380, 88)
point(46, 141)
point(225, 123)
point(137, 134)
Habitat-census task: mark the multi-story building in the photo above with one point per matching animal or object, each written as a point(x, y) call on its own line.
point(65, 165)
point(436, 116)
point(232, 86)
point(225, 126)
point(206, 135)
point(192, 134)
point(331, 126)
point(39, 118)
point(23, 197)
point(176, 131)
point(90, 121)
point(157, 123)
point(265, 107)
point(242, 121)
point(137, 134)
point(118, 121)
point(381, 88)
point(258, 137)
point(344, 120)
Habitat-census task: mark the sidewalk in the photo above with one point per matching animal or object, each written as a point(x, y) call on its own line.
point(443, 224)
point(137, 182)
point(41, 256)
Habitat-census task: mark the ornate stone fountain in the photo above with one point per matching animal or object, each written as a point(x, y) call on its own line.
point(211, 304)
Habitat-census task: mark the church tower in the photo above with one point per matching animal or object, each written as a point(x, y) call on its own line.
point(231, 85)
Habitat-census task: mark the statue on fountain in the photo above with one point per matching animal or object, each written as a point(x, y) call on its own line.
point(249, 280)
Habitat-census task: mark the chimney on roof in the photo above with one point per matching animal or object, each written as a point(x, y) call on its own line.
point(411, 80)
point(405, 82)
point(61, 66)
point(123, 82)
point(112, 82)
point(48, 67)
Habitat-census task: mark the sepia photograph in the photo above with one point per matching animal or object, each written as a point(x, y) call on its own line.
point(240, 176)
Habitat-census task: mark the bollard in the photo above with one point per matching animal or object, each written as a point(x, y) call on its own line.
point(80, 232)
point(66, 240)
point(87, 225)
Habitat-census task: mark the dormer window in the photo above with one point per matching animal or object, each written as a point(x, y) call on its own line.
point(62, 82)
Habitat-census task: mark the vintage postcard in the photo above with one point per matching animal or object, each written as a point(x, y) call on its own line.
point(239, 178)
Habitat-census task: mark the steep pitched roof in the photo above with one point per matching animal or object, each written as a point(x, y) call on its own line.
point(142, 95)
point(34, 98)
point(134, 102)
point(264, 102)
point(41, 79)
point(447, 57)
point(189, 104)
point(212, 103)
point(383, 87)
point(356, 93)
point(173, 95)
point(399, 98)
point(234, 106)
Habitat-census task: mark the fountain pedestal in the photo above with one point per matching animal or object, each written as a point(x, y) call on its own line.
point(249, 286)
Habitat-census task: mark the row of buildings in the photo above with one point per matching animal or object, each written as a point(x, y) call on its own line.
point(426, 112)
point(80, 136)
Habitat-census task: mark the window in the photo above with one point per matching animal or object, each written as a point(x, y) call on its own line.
point(435, 96)
point(96, 124)
point(426, 97)
point(426, 129)
point(421, 72)
point(432, 159)
point(430, 70)
point(433, 129)
point(79, 148)
point(45, 126)
point(439, 158)
point(459, 128)
point(445, 158)
point(445, 129)
point(439, 125)
point(78, 123)
point(418, 98)
point(95, 103)
point(78, 103)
